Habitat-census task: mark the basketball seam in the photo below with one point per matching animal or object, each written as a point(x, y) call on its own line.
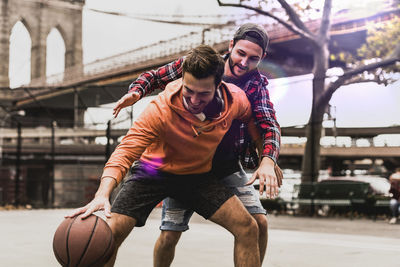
point(87, 244)
point(105, 251)
point(67, 247)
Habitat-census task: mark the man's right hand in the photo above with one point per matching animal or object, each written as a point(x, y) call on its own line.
point(98, 203)
point(127, 100)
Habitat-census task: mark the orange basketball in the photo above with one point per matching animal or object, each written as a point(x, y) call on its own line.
point(87, 242)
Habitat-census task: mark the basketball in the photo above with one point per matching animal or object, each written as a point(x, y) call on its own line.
point(87, 242)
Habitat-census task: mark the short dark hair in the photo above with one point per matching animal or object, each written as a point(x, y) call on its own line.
point(202, 62)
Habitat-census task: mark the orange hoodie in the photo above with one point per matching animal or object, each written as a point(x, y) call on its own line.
point(172, 139)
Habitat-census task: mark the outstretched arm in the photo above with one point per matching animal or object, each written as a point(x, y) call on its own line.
point(149, 81)
point(265, 119)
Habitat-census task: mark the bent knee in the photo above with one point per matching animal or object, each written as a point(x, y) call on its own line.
point(121, 226)
point(169, 238)
point(248, 227)
point(262, 222)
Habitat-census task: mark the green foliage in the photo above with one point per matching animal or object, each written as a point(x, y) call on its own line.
point(381, 41)
point(382, 38)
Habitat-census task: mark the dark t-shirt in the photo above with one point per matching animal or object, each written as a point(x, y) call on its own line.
point(226, 158)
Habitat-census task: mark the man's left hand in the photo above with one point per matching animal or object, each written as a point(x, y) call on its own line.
point(268, 179)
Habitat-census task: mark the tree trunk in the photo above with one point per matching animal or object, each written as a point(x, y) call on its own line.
point(311, 159)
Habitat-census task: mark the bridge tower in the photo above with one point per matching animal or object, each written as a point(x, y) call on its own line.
point(40, 17)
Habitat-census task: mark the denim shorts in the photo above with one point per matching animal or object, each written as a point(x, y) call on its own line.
point(176, 215)
point(203, 193)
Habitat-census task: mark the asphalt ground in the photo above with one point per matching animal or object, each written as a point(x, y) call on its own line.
point(26, 240)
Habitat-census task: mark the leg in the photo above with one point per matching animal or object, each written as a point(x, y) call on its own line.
point(394, 206)
point(164, 249)
point(250, 199)
point(262, 224)
point(132, 206)
point(211, 199)
point(121, 225)
point(233, 216)
point(175, 220)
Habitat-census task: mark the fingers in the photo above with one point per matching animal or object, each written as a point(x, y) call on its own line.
point(119, 106)
point(279, 175)
point(107, 210)
point(274, 187)
point(125, 101)
point(75, 212)
point(261, 185)
point(271, 186)
point(95, 205)
point(88, 212)
point(116, 110)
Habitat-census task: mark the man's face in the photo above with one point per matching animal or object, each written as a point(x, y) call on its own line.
point(244, 57)
point(197, 92)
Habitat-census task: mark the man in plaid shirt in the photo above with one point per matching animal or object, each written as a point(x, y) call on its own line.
point(246, 51)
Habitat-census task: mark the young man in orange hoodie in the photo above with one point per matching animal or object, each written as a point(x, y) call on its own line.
point(174, 141)
point(246, 50)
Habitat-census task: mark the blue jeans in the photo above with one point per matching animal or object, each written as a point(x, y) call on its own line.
point(176, 216)
point(395, 207)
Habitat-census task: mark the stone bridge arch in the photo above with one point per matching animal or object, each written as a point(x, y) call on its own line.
point(40, 17)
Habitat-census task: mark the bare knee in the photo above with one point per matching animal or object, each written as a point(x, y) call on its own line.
point(262, 223)
point(169, 239)
point(247, 228)
point(121, 226)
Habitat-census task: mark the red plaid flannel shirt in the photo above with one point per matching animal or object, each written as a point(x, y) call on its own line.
point(257, 93)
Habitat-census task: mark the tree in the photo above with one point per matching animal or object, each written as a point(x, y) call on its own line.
point(296, 15)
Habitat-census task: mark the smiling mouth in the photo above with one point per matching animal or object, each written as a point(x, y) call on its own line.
point(242, 68)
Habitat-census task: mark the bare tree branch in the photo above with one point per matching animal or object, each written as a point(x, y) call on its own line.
point(359, 79)
point(325, 22)
point(326, 96)
point(294, 17)
point(293, 28)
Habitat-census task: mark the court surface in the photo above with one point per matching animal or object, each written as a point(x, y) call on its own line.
point(26, 240)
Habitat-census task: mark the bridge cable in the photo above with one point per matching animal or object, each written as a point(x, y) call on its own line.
point(140, 17)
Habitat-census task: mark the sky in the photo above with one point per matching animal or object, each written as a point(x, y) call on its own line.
point(365, 105)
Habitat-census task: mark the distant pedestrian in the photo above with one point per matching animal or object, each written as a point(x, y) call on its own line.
point(395, 194)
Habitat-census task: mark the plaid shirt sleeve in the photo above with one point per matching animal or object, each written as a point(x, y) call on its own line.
point(264, 115)
point(149, 81)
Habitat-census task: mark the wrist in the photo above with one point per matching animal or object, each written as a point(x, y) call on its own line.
point(137, 92)
point(107, 185)
point(267, 161)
